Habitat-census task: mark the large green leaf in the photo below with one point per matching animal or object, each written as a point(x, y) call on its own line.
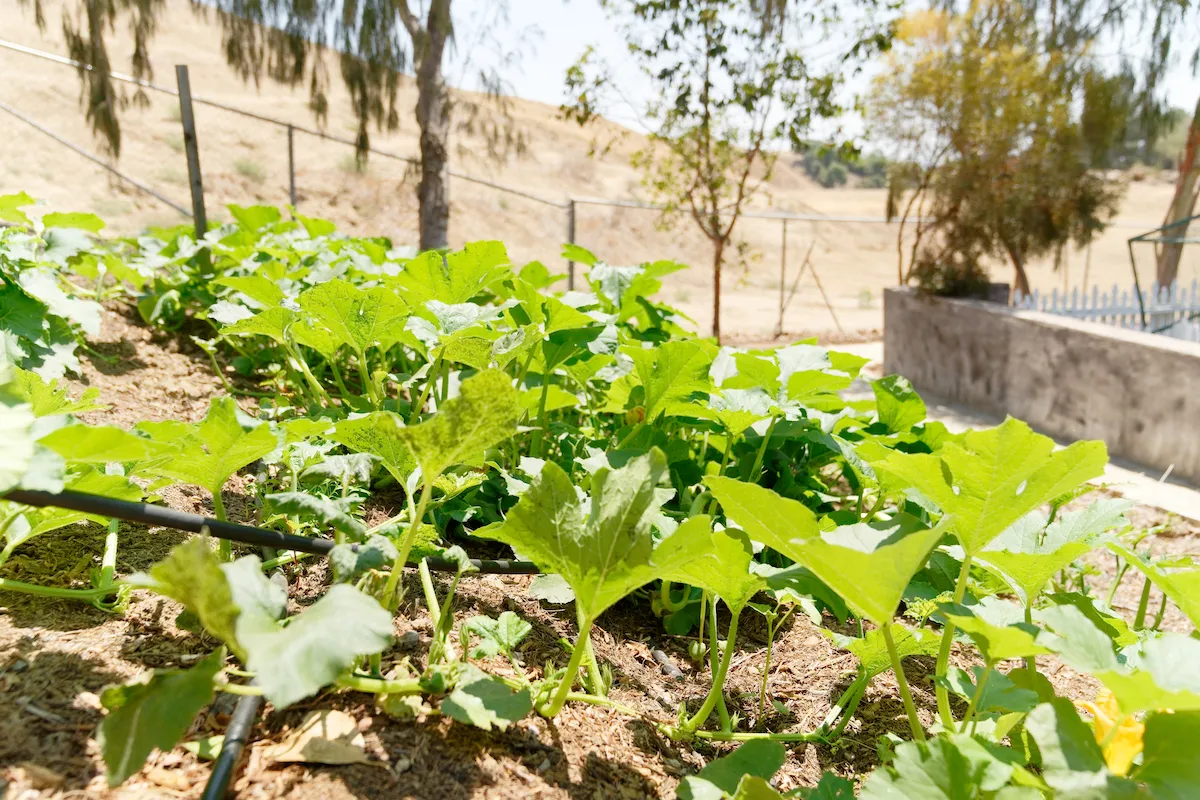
point(1181, 585)
point(152, 714)
point(1030, 552)
point(48, 398)
point(671, 373)
point(486, 702)
point(296, 661)
point(359, 318)
point(326, 511)
point(997, 628)
point(1170, 767)
point(378, 434)
point(606, 551)
point(499, 635)
point(987, 480)
point(456, 277)
point(484, 414)
point(216, 448)
point(721, 776)
point(1166, 675)
point(20, 444)
point(869, 565)
point(946, 768)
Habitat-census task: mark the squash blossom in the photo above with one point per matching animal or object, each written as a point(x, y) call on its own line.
point(1121, 746)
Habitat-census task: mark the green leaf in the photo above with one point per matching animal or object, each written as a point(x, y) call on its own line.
point(378, 434)
point(47, 399)
point(871, 650)
point(296, 661)
point(898, 404)
point(486, 702)
point(348, 563)
point(259, 289)
point(85, 444)
point(1169, 765)
point(1182, 585)
point(483, 415)
point(359, 318)
point(757, 758)
point(354, 467)
point(997, 628)
point(152, 714)
point(252, 592)
point(327, 512)
point(206, 749)
point(254, 218)
point(76, 219)
point(1030, 552)
point(946, 768)
point(830, 787)
point(454, 278)
point(1167, 676)
point(10, 207)
point(216, 448)
point(1000, 695)
point(20, 446)
point(607, 551)
point(890, 552)
point(43, 285)
point(1072, 763)
point(571, 252)
point(671, 373)
point(724, 570)
point(987, 480)
point(192, 574)
point(499, 635)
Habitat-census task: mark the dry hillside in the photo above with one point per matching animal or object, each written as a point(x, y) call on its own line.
point(245, 161)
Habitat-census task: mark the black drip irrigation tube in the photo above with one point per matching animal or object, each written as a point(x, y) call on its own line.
point(237, 736)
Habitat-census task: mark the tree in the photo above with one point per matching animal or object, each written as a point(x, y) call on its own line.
point(729, 86)
point(287, 41)
point(988, 125)
point(1183, 204)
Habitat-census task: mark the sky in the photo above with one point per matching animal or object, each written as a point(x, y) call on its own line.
point(554, 33)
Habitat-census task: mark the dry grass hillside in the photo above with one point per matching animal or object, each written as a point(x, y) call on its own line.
point(245, 161)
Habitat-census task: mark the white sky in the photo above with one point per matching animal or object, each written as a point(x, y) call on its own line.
point(557, 32)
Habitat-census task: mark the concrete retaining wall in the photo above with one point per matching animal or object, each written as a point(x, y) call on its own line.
point(1138, 392)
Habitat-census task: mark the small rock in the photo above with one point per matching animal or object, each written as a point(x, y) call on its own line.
point(545, 765)
point(20, 665)
point(409, 640)
point(403, 764)
point(88, 700)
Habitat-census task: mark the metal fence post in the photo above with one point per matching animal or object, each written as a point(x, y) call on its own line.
point(570, 240)
point(782, 277)
point(193, 150)
point(292, 164)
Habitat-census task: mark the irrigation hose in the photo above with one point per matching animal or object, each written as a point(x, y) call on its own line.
point(159, 516)
point(237, 736)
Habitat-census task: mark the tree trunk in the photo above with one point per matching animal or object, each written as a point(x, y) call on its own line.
point(1183, 204)
point(718, 257)
point(1021, 281)
point(433, 118)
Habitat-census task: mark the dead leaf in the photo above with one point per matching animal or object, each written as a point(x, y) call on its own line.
point(325, 737)
point(168, 779)
point(39, 777)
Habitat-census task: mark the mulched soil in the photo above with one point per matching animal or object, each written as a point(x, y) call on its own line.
point(56, 657)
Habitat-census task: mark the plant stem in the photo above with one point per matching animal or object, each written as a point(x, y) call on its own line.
point(108, 562)
point(1030, 661)
point(317, 389)
point(913, 721)
point(1139, 619)
point(365, 376)
point(430, 379)
point(943, 659)
point(86, 595)
point(714, 650)
point(431, 601)
point(762, 691)
point(846, 705)
point(568, 680)
point(239, 689)
point(224, 547)
point(762, 451)
point(725, 736)
point(975, 696)
point(664, 597)
point(360, 683)
point(718, 683)
point(1122, 568)
point(535, 447)
point(1162, 612)
point(391, 601)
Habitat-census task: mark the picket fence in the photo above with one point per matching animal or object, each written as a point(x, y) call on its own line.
point(1170, 310)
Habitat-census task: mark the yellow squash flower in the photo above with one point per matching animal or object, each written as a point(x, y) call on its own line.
point(1121, 746)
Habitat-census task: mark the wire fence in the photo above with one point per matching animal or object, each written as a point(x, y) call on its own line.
point(847, 258)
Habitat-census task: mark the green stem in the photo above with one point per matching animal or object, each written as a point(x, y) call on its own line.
point(844, 709)
point(664, 597)
point(287, 558)
point(568, 680)
point(1162, 612)
point(605, 702)
point(313, 383)
point(975, 696)
point(718, 684)
point(86, 595)
point(762, 691)
point(360, 683)
point(338, 379)
point(224, 547)
point(1030, 661)
point(1139, 619)
point(1123, 567)
point(714, 650)
point(365, 376)
point(240, 689)
point(431, 601)
point(913, 721)
point(943, 659)
point(430, 379)
point(633, 434)
point(108, 563)
point(212, 356)
point(762, 451)
point(726, 736)
point(389, 590)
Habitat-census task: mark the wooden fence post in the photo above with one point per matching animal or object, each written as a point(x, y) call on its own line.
point(192, 148)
